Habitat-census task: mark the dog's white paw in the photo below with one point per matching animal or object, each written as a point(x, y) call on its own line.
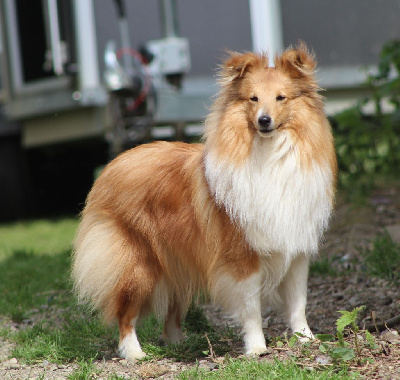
point(132, 355)
point(256, 351)
point(135, 356)
point(305, 335)
point(130, 349)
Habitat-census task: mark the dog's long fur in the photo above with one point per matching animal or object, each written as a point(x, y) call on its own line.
point(239, 216)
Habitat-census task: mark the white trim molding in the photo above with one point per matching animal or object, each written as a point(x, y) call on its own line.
point(266, 26)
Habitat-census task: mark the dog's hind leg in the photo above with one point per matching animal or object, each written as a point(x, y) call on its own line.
point(129, 346)
point(293, 291)
point(140, 277)
point(173, 324)
point(241, 299)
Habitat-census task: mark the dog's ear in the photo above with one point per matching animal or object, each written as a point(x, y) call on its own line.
point(236, 65)
point(298, 62)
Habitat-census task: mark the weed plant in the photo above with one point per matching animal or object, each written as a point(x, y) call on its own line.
point(343, 350)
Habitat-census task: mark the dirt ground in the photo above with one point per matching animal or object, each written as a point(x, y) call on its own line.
point(351, 229)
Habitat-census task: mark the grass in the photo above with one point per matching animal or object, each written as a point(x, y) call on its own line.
point(246, 369)
point(383, 258)
point(195, 346)
point(85, 370)
point(31, 282)
point(34, 262)
point(37, 236)
point(80, 339)
point(34, 268)
point(35, 293)
point(323, 266)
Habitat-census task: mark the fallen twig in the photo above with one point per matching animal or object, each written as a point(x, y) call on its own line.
point(392, 322)
point(210, 347)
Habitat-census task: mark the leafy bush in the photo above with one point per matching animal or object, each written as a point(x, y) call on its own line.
point(368, 146)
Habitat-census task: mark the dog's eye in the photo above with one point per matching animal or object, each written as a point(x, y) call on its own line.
point(279, 98)
point(254, 99)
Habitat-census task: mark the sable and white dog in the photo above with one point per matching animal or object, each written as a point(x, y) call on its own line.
point(239, 216)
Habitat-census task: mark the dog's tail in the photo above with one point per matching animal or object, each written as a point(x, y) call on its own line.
point(99, 260)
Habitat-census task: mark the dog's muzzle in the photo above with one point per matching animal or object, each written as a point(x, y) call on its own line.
point(265, 124)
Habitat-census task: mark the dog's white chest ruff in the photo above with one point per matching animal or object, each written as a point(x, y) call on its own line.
point(281, 206)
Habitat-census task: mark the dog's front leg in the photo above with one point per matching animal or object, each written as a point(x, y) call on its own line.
point(293, 291)
point(241, 300)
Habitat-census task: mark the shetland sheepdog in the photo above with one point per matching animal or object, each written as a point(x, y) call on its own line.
point(239, 216)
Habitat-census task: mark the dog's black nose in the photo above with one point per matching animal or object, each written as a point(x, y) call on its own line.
point(264, 121)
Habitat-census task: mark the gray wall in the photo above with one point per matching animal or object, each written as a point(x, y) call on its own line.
point(211, 26)
point(342, 32)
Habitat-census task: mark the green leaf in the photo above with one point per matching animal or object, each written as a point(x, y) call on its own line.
point(325, 337)
point(342, 353)
point(371, 340)
point(345, 320)
point(293, 340)
point(348, 318)
point(324, 348)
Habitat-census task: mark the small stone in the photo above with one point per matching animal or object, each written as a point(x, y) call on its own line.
point(212, 366)
point(12, 364)
point(353, 301)
point(361, 338)
point(391, 336)
point(149, 370)
point(323, 359)
point(123, 375)
point(394, 232)
point(380, 209)
point(208, 365)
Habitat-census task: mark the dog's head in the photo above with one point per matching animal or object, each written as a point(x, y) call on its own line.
point(267, 96)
